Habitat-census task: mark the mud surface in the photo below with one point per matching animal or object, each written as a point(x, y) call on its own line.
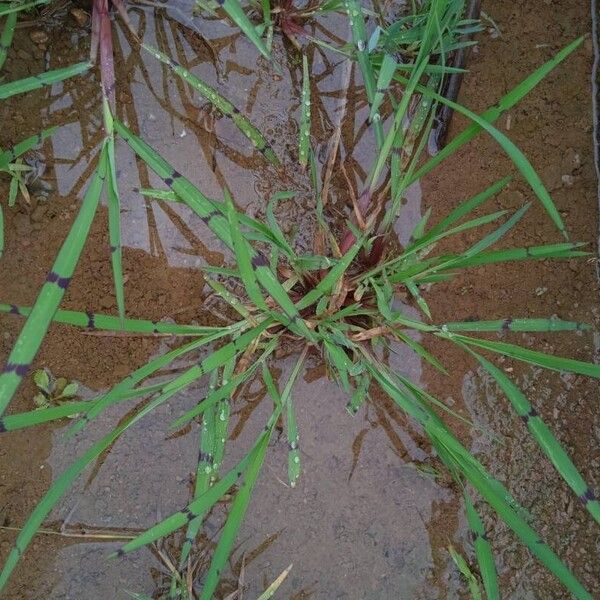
point(363, 521)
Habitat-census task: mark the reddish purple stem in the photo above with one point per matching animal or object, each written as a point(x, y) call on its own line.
point(102, 42)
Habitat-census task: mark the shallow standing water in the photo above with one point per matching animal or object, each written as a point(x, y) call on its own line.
point(363, 521)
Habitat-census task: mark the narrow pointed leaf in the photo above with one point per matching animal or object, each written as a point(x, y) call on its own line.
point(466, 572)
point(96, 321)
point(226, 389)
point(540, 359)
point(220, 102)
point(466, 207)
point(121, 390)
point(530, 253)
point(237, 512)
point(204, 471)
point(38, 81)
point(214, 218)
point(546, 440)
point(491, 490)
point(243, 259)
point(359, 38)
point(270, 591)
point(293, 437)
point(6, 36)
point(8, 156)
point(386, 72)
point(304, 143)
point(14, 7)
point(483, 551)
point(236, 13)
point(510, 324)
point(492, 114)
point(52, 292)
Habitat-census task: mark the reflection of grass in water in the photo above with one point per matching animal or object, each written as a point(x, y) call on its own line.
point(341, 303)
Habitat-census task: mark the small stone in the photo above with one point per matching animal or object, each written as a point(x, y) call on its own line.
point(570, 508)
point(38, 36)
point(567, 180)
point(80, 17)
point(571, 161)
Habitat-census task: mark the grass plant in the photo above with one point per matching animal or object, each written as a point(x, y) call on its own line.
point(340, 304)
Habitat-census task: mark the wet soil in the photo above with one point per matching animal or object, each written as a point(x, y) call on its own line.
point(553, 127)
point(363, 521)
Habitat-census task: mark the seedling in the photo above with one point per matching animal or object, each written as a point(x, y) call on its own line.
point(53, 391)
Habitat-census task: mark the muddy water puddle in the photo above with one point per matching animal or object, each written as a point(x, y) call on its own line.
point(365, 520)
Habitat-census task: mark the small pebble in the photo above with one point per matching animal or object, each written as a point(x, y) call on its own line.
point(80, 16)
point(567, 180)
point(38, 36)
point(571, 161)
